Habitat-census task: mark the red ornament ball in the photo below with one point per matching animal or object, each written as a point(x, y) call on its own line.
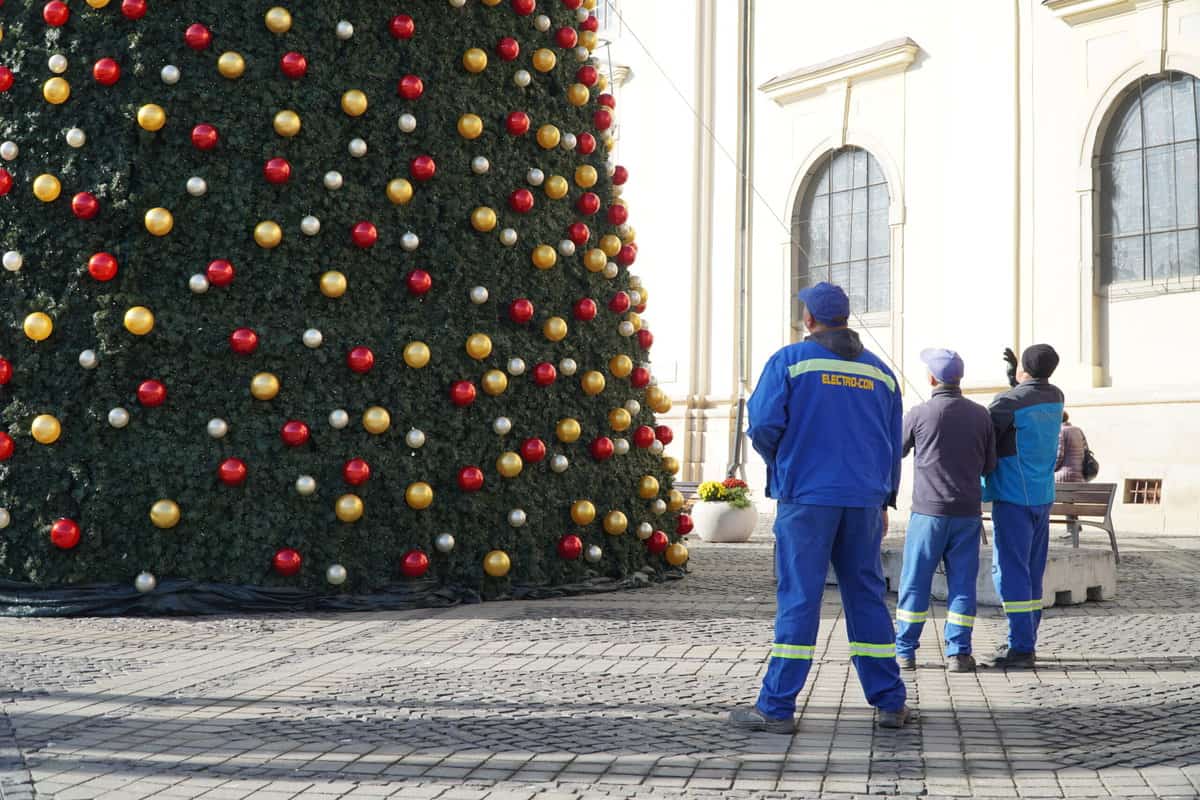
point(219, 272)
point(601, 448)
point(243, 341)
point(64, 534)
point(572, 4)
point(6, 371)
point(639, 378)
point(402, 27)
point(584, 309)
point(106, 71)
point(414, 564)
point(544, 373)
point(617, 214)
point(657, 543)
point(360, 360)
point(664, 434)
point(566, 38)
point(619, 303)
point(133, 9)
point(578, 233)
point(422, 168)
point(205, 137)
point(520, 311)
point(521, 201)
point(570, 547)
point(197, 36)
point(607, 100)
point(419, 282)
point(232, 472)
point(591, 23)
point(151, 393)
point(277, 171)
point(587, 75)
point(356, 472)
point(588, 203)
point(294, 433)
point(517, 123)
point(684, 526)
point(6, 446)
point(585, 143)
point(410, 87)
point(470, 479)
point(85, 205)
point(645, 338)
point(293, 65)
point(364, 235)
point(56, 13)
point(533, 450)
point(6, 182)
point(602, 120)
point(627, 255)
point(620, 175)
point(508, 49)
point(6, 79)
point(524, 7)
point(287, 562)
point(643, 436)
point(462, 393)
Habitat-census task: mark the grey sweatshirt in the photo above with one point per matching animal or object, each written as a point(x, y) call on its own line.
point(955, 446)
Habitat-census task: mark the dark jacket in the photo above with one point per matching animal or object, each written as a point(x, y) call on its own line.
point(955, 446)
point(1027, 419)
point(826, 417)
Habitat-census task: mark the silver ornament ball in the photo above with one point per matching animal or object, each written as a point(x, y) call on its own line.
point(334, 180)
point(516, 366)
point(635, 298)
point(310, 225)
point(633, 407)
point(338, 418)
point(644, 530)
point(541, 22)
point(170, 74)
point(559, 463)
point(335, 575)
point(611, 270)
point(9, 150)
point(625, 328)
point(522, 78)
point(410, 241)
point(581, 14)
point(118, 417)
point(76, 138)
point(635, 281)
point(415, 438)
point(568, 141)
point(58, 63)
point(566, 248)
point(306, 485)
point(443, 543)
point(457, 3)
point(198, 283)
point(145, 582)
point(624, 229)
point(357, 148)
point(480, 165)
point(344, 30)
point(568, 367)
point(197, 186)
point(88, 359)
point(479, 295)
point(535, 177)
point(659, 506)
point(508, 237)
point(312, 338)
point(5, 518)
point(582, 54)
point(593, 553)
point(621, 446)
point(407, 123)
point(217, 428)
point(656, 447)
point(13, 261)
point(502, 425)
point(517, 518)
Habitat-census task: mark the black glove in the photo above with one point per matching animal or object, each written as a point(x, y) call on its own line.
point(1010, 358)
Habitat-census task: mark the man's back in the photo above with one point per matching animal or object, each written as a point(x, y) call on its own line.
point(1027, 419)
point(955, 446)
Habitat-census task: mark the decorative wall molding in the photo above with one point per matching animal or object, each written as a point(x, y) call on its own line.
point(883, 59)
point(1077, 12)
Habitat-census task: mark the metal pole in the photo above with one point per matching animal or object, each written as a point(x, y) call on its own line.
point(745, 190)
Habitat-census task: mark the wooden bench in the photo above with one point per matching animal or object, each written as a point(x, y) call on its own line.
point(688, 490)
point(1079, 504)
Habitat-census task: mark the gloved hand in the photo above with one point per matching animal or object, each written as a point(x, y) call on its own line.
point(1010, 358)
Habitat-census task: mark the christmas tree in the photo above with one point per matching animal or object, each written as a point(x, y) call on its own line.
point(332, 299)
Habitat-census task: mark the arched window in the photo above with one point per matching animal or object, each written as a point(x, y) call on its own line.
point(840, 230)
point(1149, 199)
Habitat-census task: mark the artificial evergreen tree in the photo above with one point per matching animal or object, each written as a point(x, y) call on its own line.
point(331, 297)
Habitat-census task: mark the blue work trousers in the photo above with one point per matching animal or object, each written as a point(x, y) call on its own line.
point(930, 541)
point(1022, 542)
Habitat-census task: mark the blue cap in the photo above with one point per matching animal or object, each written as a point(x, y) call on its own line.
point(945, 365)
point(827, 303)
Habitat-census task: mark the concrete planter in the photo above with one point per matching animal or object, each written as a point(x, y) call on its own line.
point(721, 522)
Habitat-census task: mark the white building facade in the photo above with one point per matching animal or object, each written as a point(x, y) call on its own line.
point(978, 175)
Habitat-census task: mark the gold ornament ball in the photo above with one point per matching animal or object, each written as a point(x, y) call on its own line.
point(497, 563)
point(287, 123)
point(568, 430)
point(578, 94)
point(589, 39)
point(677, 555)
point(470, 126)
point(399, 191)
point(544, 256)
point(548, 136)
point(46, 188)
point(416, 354)
point(151, 117)
point(278, 20)
point(620, 366)
point(635, 319)
point(586, 176)
point(595, 260)
point(231, 65)
point(479, 346)
point(348, 508)
point(354, 103)
point(592, 383)
point(610, 144)
point(97, 3)
point(38, 326)
point(490, 3)
point(509, 465)
point(159, 221)
point(333, 283)
point(475, 60)
point(419, 495)
point(139, 320)
point(619, 419)
point(483, 219)
point(675, 500)
point(629, 238)
point(376, 420)
point(663, 405)
point(165, 514)
point(555, 329)
point(264, 386)
point(610, 245)
point(45, 429)
point(648, 487)
point(602, 84)
point(268, 234)
point(557, 187)
point(670, 465)
point(583, 512)
point(494, 382)
point(56, 91)
point(615, 523)
point(544, 59)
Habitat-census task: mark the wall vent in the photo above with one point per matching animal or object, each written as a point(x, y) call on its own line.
point(1143, 491)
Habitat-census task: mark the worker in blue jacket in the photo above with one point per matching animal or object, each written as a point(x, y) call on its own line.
point(826, 417)
point(1027, 419)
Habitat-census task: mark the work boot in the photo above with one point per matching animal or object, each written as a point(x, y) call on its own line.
point(895, 719)
point(1007, 658)
point(907, 662)
point(754, 720)
point(962, 662)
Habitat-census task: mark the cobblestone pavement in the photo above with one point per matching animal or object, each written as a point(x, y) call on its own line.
point(612, 696)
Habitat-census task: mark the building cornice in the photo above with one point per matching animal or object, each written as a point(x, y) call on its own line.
point(1077, 12)
point(892, 56)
